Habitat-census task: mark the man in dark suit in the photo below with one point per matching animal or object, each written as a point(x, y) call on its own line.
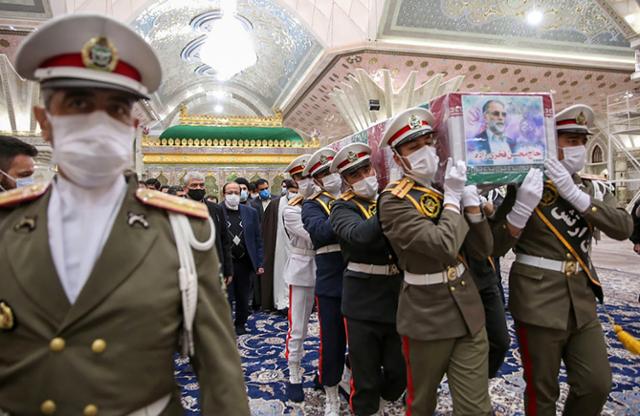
point(243, 228)
point(491, 146)
point(264, 197)
point(195, 190)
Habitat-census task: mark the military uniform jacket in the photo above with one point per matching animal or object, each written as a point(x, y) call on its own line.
point(329, 266)
point(300, 267)
point(364, 296)
point(543, 297)
point(428, 239)
point(114, 347)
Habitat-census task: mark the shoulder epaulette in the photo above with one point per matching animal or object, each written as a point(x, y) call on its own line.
point(172, 203)
point(315, 195)
point(590, 177)
point(347, 196)
point(296, 201)
point(24, 194)
point(400, 188)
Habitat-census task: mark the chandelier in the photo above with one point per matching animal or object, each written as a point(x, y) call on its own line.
point(228, 48)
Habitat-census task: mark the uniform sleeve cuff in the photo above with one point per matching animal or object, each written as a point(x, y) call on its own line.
point(474, 218)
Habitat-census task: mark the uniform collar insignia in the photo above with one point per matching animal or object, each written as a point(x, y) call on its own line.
point(99, 53)
point(26, 223)
point(133, 219)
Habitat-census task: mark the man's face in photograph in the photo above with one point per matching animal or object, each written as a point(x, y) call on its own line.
point(495, 117)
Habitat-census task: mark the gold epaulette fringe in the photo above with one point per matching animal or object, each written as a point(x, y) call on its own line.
point(172, 203)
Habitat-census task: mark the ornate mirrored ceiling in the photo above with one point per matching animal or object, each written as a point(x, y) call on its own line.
point(285, 49)
point(25, 9)
point(580, 25)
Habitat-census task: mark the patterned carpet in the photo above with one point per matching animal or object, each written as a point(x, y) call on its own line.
point(262, 351)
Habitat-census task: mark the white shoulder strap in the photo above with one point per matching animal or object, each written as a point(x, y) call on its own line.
point(187, 273)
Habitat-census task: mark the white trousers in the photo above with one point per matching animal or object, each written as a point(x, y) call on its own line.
point(300, 306)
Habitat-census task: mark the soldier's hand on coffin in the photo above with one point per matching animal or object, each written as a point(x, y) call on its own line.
point(563, 182)
point(470, 197)
point(527, 198)
point(454, 181)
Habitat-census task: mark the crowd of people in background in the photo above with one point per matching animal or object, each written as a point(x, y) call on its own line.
point(248, 218)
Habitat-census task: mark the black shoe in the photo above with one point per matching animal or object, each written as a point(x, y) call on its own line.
point(316, 383)
point(295, 392)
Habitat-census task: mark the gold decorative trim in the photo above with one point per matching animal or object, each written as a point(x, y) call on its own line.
point(148, 141)
point(219, 159)
point(229, 121)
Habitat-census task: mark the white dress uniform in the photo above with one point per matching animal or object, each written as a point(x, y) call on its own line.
point(300, 275)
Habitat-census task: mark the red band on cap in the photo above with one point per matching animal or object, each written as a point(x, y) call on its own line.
point(317, 165)
point(346, 162)
point(75, 60)
point(404, 130)
point(296, 169)
point(565, 122)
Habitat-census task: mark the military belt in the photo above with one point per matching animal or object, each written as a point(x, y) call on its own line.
point(331, 248)
point(449, 274)
point(303, 251)
point(568, 267)
point(377, 269)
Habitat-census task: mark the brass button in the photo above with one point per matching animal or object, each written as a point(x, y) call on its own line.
point(48, 407)
point(594, 209)
point(453, 289)
point(569, 256)
point(463, 283)
point(98, 346)
point(90, 410)
point(57, 344)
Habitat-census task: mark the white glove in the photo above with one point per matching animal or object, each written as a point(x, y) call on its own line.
point(470, 197)
point(527, 199)
point(567, 189)
point(454, 180)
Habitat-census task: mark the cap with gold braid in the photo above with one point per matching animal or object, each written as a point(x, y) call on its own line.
point(350, 157)
point(298, 164)
point(89, 51)
point(319, 161)
point(407, 126)
point(575, 119)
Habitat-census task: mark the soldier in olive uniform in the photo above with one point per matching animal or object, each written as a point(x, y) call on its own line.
point(553, 285)
point(91, 309)
point(329, 268)
point(370, 287)
point(440, 314)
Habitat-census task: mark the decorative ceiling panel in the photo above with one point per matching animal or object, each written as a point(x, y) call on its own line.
point(316, 111)
point(581, 25)
point(25, 9)
point(285, 48)
point(9, 41)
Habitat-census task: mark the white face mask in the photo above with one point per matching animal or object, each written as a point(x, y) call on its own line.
point(332, 183)
point(366, 188)
point(92, 150)
point(20, 182)
point(306, 187)
point(574, 158)
point(424, 164)
point(291, 195)
point(232, 201)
